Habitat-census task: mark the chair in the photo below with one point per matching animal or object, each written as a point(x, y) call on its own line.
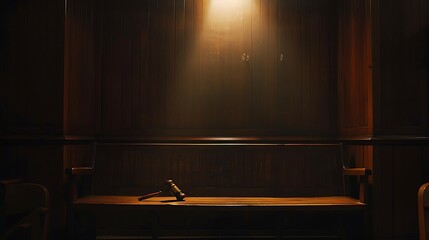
point(23, 211)
point(423, 211)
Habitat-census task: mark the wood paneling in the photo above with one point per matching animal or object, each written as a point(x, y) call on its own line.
point(355, 69)
point(166, 68)
point(79, 155)
point(399, 105)
point(383, 68)
point(219, 169)
point(399, 171)
point(81, 68)
point(401, 87)
point(31, 69)
point(176, 68)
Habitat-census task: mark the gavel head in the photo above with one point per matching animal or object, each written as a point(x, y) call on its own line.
point(174, 190)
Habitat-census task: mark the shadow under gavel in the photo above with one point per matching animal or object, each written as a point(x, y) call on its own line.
point(169, 186)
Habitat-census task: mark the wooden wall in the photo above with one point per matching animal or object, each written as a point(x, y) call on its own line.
point(139, 70)
point(399, 171)
point(220, 169)
point(31, 97)
point(82, 66)
point(401, 67)
point(172, 68)
point(355, 69)
point(383, 65)
point(383, 97)
point(31, 63)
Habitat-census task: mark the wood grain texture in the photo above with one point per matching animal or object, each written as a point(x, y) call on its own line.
point(163, 68)
point(227, 217)
point(334, 203)
point(79, 155)
point(401, 104)
point(31, 59)
point(81, 67)
point(399, 171)
point(355, 69)
point(219, 170)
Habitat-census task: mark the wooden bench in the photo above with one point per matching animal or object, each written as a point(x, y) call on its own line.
point(221, 206)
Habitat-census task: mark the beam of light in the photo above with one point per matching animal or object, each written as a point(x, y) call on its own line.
point(225, 7)
point(216, 49)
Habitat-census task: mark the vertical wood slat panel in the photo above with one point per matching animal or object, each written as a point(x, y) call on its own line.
point(403, 30)
point(355, 75)
point(197, 57)
point(306, 94)
point(31, 66)
point(382, 209)
point(81, 86)
point(170, 61)
point(112, 88)
point(298, 54)
point(148, 91)
point(260, 61)
point(152, 91)
point(405, 189)
point(415, 64)
point(270, 82)
point(287, 84)
point(399, 170)
point(161, 106)
point(189, 52)
point(78, 155)
point(140, 60)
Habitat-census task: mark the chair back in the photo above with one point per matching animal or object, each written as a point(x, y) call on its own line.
point(24, 209)
point(423, 211)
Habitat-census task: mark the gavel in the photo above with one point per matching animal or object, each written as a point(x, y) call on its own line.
point(168, 186)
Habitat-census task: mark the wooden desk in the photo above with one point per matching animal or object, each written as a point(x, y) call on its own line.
point(166, 217)
point(289, 203)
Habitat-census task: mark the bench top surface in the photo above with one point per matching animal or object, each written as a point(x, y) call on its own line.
point(288, 202)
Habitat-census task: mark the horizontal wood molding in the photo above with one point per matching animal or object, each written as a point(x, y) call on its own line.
point(43, 139)
point(388, 139)
point(220, 140)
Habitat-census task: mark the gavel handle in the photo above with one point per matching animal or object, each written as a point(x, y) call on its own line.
point(150, 195)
